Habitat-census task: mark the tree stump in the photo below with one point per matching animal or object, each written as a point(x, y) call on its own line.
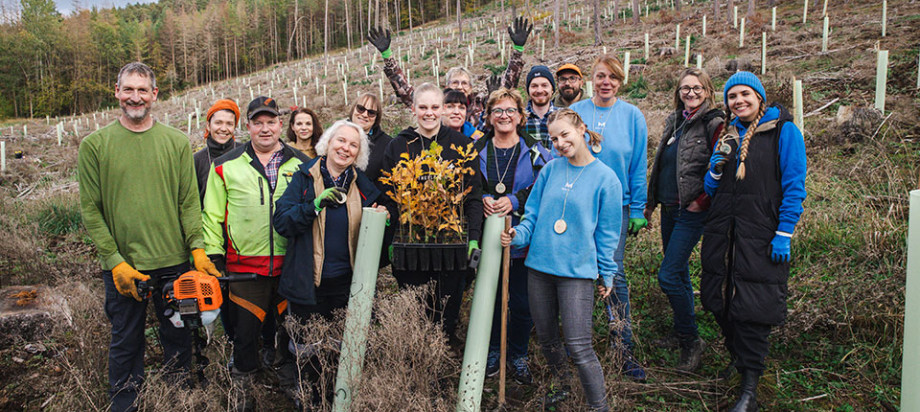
point(29, 314)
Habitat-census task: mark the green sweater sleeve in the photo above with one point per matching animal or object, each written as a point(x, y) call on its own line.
point(189, 203)
point(212, 216)
point(91, 204)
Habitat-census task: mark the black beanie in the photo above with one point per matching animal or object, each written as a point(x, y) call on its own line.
point(541, 71)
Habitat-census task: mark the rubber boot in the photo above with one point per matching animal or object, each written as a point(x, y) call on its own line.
point(747, 402)
point(691, 353)
point(240, 391)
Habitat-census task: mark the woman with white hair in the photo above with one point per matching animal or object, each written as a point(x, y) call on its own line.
point(320, 214)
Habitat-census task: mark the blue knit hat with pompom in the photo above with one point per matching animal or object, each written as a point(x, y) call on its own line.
point(744, 79)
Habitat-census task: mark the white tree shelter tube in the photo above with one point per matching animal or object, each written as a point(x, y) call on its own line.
point(473, 372)
point(358, 317)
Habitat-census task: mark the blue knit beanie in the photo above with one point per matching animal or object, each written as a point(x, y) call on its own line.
point(746, 79)
point(541, 71)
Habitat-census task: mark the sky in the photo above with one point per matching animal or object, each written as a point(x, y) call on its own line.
point(68, 6)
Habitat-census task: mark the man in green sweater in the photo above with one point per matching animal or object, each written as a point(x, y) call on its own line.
point(139, 199)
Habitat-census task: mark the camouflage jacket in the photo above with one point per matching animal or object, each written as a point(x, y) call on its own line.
point(404, 90)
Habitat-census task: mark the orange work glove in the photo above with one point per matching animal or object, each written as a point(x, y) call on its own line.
point(203, 264)
point(124, 276)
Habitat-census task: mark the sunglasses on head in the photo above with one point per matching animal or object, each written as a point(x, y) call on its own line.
point(362, 109)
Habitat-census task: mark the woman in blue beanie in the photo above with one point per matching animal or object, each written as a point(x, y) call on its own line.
point(756, 180)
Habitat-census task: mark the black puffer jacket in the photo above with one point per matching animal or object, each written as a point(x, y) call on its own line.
point(205, 157)
point(739, 279)
point(693, 152)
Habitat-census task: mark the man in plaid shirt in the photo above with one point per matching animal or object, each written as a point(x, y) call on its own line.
point(540, 89)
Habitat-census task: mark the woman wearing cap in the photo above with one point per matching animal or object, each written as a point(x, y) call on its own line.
point(571, 223)
point(221, 120)
point(676, 182)
point(455, 112)
point(624, 150)
point(368, 113)
point(304, 130)
point(510, 160)
point(756, 180)
point(320, 214)
point(427, 107)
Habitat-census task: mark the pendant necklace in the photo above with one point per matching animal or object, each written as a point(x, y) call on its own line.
point(343, 177)
point(560, 226)
point(596, 148)
point(500, 187)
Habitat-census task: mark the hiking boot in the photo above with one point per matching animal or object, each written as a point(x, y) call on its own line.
point(520, 372)
point(747, 402)
point(691, 352)
point(240, 391)
point(632, 369)
point(669, 341)
point(556, 395)
point(267, 355)
point(492, 364)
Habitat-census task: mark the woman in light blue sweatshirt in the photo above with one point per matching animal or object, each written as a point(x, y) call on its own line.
point(572, 225)
point(624, 150)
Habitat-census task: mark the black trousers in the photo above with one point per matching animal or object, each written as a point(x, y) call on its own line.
point(254, 301)
point(747, 342)
point(448, 285)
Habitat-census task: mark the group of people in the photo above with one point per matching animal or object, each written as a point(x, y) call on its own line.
point(289, 211)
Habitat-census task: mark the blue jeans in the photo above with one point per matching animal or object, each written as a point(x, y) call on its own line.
point(618, 302)
point(555, 298)
point(519, 321)
point(126, 351)
point(680, 232)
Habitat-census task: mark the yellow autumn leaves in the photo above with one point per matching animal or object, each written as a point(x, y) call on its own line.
point(429, 191)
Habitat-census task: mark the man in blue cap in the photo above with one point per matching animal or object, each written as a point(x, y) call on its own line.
point(540, 89)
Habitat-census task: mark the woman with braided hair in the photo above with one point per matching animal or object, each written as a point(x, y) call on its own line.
point(756, 181)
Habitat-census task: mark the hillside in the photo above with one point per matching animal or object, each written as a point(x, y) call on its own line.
point(840, 349)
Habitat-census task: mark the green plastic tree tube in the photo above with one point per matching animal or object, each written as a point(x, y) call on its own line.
point(473, 372)
point(910, 369)
point(358, 317)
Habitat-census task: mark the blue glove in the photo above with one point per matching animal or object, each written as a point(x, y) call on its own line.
point(780, 249)
point(716, 162)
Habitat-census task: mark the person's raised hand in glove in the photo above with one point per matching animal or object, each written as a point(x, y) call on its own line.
point(493, 83)
point(519, 32)
point(203, 264)
point(329, 197)
point(380, 38)
point(780, 248)
point(716, 163)
point(636, 224)
point(474, 244)
point(125, 277)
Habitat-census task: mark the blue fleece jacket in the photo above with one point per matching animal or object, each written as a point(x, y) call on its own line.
point(593, 216)
point(624, 147)
point(792, 165)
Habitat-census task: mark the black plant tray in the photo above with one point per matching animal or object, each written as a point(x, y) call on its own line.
point(430, 256)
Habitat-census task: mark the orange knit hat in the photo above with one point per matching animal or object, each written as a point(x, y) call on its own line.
point(223, 104)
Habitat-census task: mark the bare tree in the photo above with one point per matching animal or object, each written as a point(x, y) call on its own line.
point(459, 26)
point(556, 24)
point(750, 10)
point(597, 26)
point(347, 25)
point(326, 36)
point(636, 11)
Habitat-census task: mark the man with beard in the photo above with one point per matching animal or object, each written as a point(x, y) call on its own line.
point(570, 81)
point(137, 197)
point(540, 88)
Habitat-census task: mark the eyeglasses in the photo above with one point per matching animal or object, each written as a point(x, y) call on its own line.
point(688, 89)
point(569, 79)
point(362, 109)
point(511, 111)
